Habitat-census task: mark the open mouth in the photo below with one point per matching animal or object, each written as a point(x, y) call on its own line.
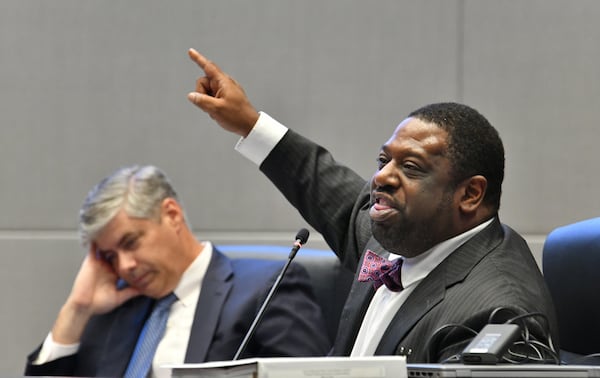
point(381, 208)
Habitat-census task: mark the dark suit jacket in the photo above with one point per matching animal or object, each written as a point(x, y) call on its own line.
point(492, 270)
point(232, 292)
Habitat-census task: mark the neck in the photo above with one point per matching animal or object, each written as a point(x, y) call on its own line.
point(191, 247)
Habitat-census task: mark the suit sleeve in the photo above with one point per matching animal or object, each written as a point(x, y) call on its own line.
point(331, 197)
point(62, 366)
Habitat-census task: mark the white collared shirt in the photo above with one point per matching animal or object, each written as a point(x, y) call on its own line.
point(386, 303)
point(173, 346)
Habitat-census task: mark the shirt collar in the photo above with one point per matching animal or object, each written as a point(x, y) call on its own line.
point(414, 269)
point(193, 275)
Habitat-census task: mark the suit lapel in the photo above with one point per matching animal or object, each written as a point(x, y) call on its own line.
point(215, 287)
point(426, 295)
point(122, 337)
point(432, 289)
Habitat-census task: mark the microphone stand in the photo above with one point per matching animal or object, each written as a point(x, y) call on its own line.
point(300, 240)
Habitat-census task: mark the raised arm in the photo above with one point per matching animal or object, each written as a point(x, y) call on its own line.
point(326, 194)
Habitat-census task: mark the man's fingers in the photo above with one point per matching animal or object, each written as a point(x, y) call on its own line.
point(198, 58)
point(207, 66)
point(203, 85)
point(203, 101)
point(195, 98)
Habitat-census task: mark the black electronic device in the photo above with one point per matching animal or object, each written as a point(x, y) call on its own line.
point(490, 344)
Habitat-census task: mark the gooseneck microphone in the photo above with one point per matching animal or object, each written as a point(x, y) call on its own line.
point(301, 238)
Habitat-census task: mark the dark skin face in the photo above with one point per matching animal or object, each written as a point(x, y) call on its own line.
point(414, 204)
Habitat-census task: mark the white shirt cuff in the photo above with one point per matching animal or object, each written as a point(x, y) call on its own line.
point(263, 137)
point(52, 351)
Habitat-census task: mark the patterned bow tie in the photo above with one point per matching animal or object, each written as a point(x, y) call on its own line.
point(381, 271)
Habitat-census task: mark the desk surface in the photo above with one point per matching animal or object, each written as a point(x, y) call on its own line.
point(503, 370)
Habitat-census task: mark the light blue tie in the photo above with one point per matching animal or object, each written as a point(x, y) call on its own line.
point(151, 334)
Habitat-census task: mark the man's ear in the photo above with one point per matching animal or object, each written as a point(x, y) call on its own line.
point(472, 191)
point(172, 212)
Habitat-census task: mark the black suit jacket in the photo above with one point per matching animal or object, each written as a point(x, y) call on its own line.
point(232, 292)
point(495, 269)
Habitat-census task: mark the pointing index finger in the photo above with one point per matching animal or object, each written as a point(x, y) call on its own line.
point(198, 58)
point(207, 66)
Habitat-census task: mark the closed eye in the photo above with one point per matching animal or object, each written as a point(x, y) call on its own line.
point(108, 256)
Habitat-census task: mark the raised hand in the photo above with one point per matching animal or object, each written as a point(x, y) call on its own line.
point(222, 98)
point(94, 292)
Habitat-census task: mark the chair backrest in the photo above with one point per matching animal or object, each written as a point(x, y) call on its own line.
point(331, 283)
point(571, 266)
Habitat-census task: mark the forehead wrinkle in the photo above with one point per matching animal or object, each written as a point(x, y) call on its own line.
point(429, 146)
point(424, 137)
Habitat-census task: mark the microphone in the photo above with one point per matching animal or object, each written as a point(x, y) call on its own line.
point(301, 238)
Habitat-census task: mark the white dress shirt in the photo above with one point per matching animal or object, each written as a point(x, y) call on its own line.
point(265, 135)
point(173, 346)
point(386, 303)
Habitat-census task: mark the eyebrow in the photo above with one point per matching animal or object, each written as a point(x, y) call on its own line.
point(128, 236)
point(384, 149)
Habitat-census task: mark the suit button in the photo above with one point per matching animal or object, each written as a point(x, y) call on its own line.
point(404, 351)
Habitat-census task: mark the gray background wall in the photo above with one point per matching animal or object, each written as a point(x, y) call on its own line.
point(87, 86)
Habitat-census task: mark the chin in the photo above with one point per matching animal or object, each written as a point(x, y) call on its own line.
point(148, 292)
point(397, 243)
point(387, 238)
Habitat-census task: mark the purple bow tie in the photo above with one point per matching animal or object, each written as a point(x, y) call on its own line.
point(381, 271)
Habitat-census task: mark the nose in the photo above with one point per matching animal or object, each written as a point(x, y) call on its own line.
point(386, 176)
point(126, 263)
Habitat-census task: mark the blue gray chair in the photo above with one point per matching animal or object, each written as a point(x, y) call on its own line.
point(571, 266)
